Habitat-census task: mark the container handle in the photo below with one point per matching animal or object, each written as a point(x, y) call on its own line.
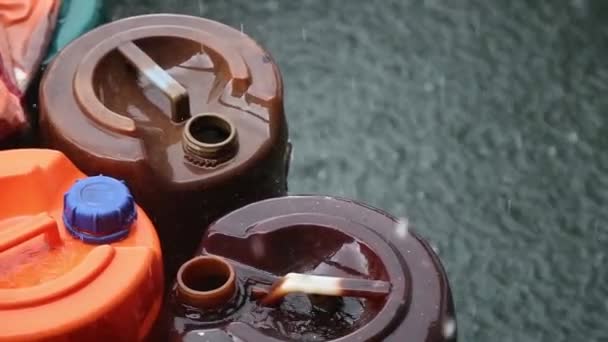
point(38, 225)
point(93, 265)
point(323, 285)
point(177, 94)
point(43, 224)
point(235, 69)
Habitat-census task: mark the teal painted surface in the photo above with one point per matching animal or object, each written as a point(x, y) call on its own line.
point(484, 122)
point(76, 17)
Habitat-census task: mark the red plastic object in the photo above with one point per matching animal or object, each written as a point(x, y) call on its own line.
point(26, 27)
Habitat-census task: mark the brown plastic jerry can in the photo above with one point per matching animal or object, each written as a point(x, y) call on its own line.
point(188, 111)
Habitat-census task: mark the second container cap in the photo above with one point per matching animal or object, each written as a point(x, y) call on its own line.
point(99, 210)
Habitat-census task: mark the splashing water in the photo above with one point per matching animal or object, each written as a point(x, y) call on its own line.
point(402, 228)
point(194, 316)
point(435, 248)
point(449, 328)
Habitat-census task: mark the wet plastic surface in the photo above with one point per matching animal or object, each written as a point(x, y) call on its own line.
point(54, 287)
point(158, 131)
point(482, 121)
point(321, 236)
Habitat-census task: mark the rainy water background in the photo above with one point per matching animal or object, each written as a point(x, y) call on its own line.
point(482, 122)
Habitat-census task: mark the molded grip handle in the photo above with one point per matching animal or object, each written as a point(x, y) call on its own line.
point(177, 94)
point(94, 263)
point(232, 65)
point(40, 224)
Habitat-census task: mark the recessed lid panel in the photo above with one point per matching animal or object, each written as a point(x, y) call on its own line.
point(137, 81)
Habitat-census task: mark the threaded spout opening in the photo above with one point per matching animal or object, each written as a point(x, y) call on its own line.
point(206, 282)
point(209, 139)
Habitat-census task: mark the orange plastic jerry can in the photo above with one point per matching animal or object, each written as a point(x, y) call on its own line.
point(79, 260)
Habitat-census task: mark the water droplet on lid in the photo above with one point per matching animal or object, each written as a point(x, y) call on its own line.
point(193, 315)
point(257, 247)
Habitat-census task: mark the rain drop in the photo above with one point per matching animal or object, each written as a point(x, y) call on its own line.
point(402, 228)
point(257, 247)
point(449, 328)
point(435, 248)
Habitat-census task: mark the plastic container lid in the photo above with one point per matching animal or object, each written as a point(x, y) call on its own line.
point(99, 210)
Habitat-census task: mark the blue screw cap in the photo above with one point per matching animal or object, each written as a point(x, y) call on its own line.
point(99, 210)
